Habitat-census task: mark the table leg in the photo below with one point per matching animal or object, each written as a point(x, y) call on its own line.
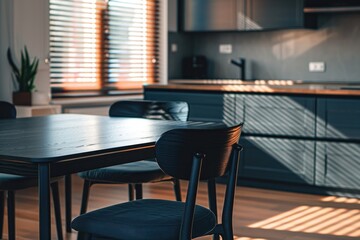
point(44, 201)
point(68, 203)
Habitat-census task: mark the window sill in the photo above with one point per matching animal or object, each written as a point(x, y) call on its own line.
point(89, 100)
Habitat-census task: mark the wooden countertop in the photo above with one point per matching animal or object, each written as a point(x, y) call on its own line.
point(311, 89)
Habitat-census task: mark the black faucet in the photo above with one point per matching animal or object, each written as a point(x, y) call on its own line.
point(241, 65)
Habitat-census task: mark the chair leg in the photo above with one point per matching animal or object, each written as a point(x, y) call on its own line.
point(138, 191)
point(213, 203)
point(56, 200)
point(228, 235)
point(68, 211)
point(85, 196)
point(11, 214)
point(131, 191)
point(177, 189)
point(2, 206)
point(84, 236)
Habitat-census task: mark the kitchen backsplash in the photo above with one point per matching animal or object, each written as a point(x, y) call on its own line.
point(281, 54)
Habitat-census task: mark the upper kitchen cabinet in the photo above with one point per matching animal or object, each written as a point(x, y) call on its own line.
point(242, 15)
point(273, 14)
point(211, 15)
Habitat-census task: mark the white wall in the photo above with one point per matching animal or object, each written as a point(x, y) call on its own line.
point(5, 39)
point(24, 22)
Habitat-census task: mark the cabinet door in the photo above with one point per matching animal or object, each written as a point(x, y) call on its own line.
point(239, 108)
point(338, 118)
point(202, 106)
point(272, 14)
point(338, 165)
point(212, 15)
point(291, 116)
point(285, 160)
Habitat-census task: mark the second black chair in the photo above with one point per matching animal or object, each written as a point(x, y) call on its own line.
point(188, 154)
point(136, 173)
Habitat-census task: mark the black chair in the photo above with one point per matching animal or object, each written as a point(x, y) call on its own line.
point(7, 110)
point(136, 173)
point(188, 154)
point(10, 183)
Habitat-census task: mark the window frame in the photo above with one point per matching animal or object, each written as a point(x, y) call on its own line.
point(162, 56)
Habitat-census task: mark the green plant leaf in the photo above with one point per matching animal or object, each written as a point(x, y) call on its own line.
point(25, 74)
point(13, 66)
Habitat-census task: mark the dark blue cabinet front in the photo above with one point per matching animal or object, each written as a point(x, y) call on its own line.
point(338, 165)
point(308, 140)
point(338, 150)
point(285, 160)
point(291, 116)
point(338, 118)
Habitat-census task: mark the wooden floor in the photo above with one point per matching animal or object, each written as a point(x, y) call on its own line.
point(259, 214)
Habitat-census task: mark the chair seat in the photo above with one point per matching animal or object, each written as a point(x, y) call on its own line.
point(135, 172)
point(16, 182)
point(143, 219)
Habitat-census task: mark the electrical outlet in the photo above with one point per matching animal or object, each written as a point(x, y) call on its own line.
point(225, 48)
point(173, 47)
point(316, 67)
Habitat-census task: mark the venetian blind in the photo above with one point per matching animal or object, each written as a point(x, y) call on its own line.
point(103, 44)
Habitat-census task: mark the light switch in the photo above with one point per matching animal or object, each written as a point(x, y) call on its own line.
point(316, 67)
point(225, 48)
point(173, 47)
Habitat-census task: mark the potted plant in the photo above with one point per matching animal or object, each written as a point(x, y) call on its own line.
point(24, 76)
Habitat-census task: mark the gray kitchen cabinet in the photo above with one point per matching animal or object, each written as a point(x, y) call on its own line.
point(274, 14)
point(243, 15)
point(338, 118)
point(284, 160)
point(291, 116)
point(212, 15)
point(338, 164)
point(202, 106)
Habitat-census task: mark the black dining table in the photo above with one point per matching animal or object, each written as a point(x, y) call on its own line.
point(63, 144)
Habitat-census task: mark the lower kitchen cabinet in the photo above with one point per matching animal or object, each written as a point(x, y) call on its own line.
point(294, 140)
point(338, 165)
point(338, 118)
point(278, 159)
point(202, 106)
point(292, 116)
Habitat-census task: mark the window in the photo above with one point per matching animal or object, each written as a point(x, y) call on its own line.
point(103, 45)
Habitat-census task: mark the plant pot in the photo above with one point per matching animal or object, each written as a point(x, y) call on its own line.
point(30, 98)
point(22, 98)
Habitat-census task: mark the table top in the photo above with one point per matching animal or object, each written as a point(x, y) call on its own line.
point(57, 137)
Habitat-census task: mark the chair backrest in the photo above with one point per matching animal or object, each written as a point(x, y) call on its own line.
point(163, 110)
point(176, 148)
point(193, 154)
point(7, 110)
